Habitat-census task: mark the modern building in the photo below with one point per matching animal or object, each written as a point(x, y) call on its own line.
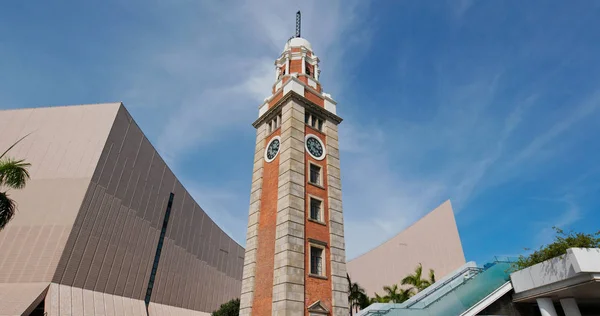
point(295, 259)
point(568, 283)
point(432, 241)
point(104, 227)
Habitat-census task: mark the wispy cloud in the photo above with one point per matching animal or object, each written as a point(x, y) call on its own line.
point(217, 71)
point(440, 101)
point(563, 220)
point(220, 70)
point(581, 111)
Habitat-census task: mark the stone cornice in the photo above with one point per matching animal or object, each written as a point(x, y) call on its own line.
point(313, 107)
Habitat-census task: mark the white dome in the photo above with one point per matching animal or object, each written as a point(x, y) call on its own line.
point(297, 42)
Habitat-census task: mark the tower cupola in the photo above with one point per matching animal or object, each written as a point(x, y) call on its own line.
point(297, 69)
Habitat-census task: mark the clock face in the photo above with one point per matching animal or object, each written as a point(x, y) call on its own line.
point(315, 147)
point(272, 149)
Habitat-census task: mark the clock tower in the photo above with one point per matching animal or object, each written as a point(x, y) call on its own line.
point(295, 261)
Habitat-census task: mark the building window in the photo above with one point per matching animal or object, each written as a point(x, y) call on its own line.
point(316, 209)
point(316, 260)
point(315, 174)
point(161, 241)
point(308, 70)
point(274, 123)
point(313, 120)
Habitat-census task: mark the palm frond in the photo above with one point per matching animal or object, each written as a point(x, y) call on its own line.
point(423, 285)
point(13, 145)
point(431, 276)
point(13, 173)
point(409, 280)
point(419, 271)
point(7, 209)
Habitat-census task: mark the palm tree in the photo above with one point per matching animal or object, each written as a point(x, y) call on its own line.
point(13, 175)
point(357, 299)
point(405, 294)
point(416, 281)
point(364, 301)
point(379, 299)
point(397, 295)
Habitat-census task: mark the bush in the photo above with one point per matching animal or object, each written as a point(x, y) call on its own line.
point(562, 242)
point(231, 308)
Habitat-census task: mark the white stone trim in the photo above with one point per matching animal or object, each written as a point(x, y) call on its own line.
point(330, 106)
point(278, 138)
point(303, 65)
point(294, 85)
point(263, 109)
point(322, 145)
point(312, 82)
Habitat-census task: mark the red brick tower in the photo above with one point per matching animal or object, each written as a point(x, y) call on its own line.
point(295, 257)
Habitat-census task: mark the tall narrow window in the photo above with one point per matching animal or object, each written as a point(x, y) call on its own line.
point(315, 209)
point(161, 240)
point(316, 260)
point(306, 117)
point(320, 125)
point(315, 174)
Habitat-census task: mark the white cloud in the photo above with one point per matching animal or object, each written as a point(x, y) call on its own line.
point(219, 67)
point(211, 71)
point(215, 71)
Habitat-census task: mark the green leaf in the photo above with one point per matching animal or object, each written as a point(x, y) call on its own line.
point(7, 209)
point(231, 308)
point(13, 173)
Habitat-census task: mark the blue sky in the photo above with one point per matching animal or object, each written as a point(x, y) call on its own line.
point(494, 105)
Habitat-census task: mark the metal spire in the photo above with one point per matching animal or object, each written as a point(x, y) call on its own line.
point(298, 23)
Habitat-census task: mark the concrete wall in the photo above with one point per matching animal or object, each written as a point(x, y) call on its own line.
point(576, 261)
point(107, 218)
point(433, 241)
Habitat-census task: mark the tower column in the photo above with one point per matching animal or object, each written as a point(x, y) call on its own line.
point(249, 271)
point(336, 221)
point(288, 280)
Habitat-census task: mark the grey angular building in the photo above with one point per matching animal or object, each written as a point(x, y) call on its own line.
point(104, 227)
